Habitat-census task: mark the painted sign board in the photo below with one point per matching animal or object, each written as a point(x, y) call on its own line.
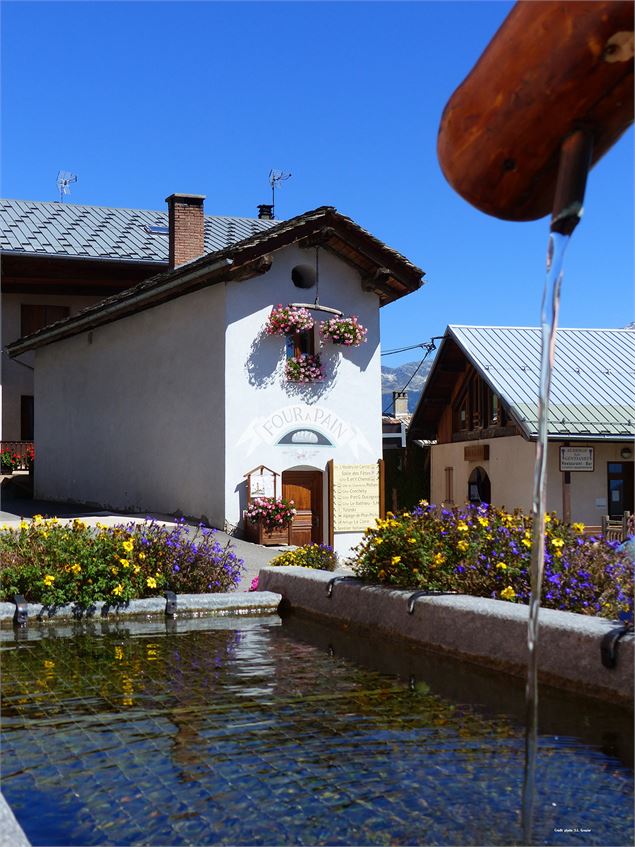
point(356, 496)
point(576, 459)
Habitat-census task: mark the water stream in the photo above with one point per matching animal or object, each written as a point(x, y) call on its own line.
point(548, 322)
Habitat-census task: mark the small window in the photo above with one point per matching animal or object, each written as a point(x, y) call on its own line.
point(303, 276)
point(449, 485)
point(26, 417)
point(301, 343)
point(34, 317)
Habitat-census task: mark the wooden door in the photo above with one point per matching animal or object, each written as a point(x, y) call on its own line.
point(305, 489)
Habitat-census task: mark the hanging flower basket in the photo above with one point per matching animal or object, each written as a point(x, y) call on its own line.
point(304, 368)
point(286, 320)
point(271, 512)
point(346, 331)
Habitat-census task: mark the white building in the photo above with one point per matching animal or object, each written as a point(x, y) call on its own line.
point(163, 397)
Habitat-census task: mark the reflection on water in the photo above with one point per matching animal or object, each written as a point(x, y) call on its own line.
point(255, 733)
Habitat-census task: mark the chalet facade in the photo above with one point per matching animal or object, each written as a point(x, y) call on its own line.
point(163, 397)
point(479, 404)
point(59, 258)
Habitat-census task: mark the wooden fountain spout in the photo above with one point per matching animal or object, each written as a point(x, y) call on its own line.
point(553, 71)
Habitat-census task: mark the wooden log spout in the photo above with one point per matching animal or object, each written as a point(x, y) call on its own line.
point(551, 69)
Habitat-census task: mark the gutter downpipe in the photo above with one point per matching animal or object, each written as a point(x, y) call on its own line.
point(87, 322)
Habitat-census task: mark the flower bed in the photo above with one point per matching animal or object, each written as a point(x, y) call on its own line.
point(9, 461)
point(318, 556)
point(486, 552)
point(54, 563)
point(346, 331)
point(304, 368)
point(286, 320)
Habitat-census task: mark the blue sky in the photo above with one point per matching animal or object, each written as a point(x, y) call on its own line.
point(141, 99)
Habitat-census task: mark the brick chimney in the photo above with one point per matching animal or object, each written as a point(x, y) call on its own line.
point(187, 228)
point(400, 403)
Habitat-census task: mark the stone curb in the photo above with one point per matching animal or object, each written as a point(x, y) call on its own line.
point(236, 603)
point(489, 632)
point(11, 833)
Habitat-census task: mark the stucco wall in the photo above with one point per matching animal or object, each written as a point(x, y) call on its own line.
point(262, 407)
point(16, 378)
point(510, 470)
point(131, 415)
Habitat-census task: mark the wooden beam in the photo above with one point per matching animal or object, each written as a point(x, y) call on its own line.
point(251, 269)
point(317, 239)
point(378, 282)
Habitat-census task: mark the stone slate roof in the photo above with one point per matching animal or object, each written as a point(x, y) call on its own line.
point(38, 228)
point(250, 257)
point(592, 387)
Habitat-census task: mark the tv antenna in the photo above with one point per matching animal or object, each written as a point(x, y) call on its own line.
point(64, 180)
point(274, 178)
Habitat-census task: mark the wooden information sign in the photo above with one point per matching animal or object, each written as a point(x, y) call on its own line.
point(355, 496)
point(261, 482)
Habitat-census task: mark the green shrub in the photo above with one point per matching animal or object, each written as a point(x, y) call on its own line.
point(54, 563)
point(318, 556)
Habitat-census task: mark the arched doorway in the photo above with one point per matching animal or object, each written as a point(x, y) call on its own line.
point(304, 487)
point(479, 489)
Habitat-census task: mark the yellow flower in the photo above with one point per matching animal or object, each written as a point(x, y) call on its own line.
point(462, 546)
point(118, 652)
point(124, 563)
point(557, 554)
point(508, 593)
point(395, 560)
point(547, 518)
point(48, 664)
point(49, 580)
point(526, 542)
point(412, 541)
point(501, 566)
point(24, 525)
point(423, 502)
point(151, 582)
point(482, 521)
point(142, 556)
point(114, 571)
point(577, 527)
point(77, 524)
point(438, 559)
point(37, 519)
point(382, 574)
point(118, 589)
point(127, 546)
point(557, 542)
point(136, 568)
point(76, 568)
point(377, 541)
point(462, 526)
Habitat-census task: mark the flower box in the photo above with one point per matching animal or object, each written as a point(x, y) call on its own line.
point(287, 320)
point(345, 331)
point(259, 534)
point(304, 368)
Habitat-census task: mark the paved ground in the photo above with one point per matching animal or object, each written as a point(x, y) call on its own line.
point(14, 507)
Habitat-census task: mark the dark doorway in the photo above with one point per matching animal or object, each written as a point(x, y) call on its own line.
point(620, 488)
point(479, 489)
